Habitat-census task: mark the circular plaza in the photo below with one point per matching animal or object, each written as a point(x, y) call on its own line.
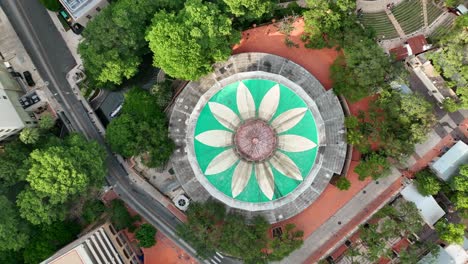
point(260, 134)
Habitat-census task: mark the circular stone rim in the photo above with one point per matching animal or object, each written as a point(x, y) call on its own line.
point(190, 136)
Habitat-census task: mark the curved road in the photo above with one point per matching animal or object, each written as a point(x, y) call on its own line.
point(53, 60)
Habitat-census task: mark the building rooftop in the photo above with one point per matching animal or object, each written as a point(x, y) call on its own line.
point(430, 210)
point(447, 165)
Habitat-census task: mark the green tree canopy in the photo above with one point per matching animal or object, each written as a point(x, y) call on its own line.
point(142, 127)
point(459, 182)
point(146, 236)
point(14, 234)
point(343, 183)
point(450, 232)
point(427, 183)
point(250, 9)
point(187, 43)
point(46, 122)
point(451, 60)
point(289, 241)
point(56, 172)
point(114, 41)
point(29, 135)
point(120, 216)
point(38, 208)
point(12, 169)
point(374, 165)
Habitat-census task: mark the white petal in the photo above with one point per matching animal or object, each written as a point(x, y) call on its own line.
point(241, 177)
point(286, 166)
point(265, 179)
point(224, 115)
point(288, 119)
point(295, 143)
point(215, 138)
point(245, 102)
point(269, 103)
point(221, 162)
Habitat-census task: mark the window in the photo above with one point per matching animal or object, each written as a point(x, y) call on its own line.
point(4, 97)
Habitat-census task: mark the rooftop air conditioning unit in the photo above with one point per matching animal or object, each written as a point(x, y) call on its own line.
point(182, 202)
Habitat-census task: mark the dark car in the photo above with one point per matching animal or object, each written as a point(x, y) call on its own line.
point(29, 79)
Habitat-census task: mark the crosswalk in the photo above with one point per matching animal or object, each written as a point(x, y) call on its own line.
point(215, 259)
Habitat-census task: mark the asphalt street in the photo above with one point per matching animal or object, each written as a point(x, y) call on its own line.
point(53, 61)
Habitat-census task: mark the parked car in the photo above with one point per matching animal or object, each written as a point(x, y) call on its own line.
point(29, 79)
point(116, 111)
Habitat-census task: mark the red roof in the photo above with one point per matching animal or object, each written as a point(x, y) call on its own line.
point(417, 44)
point(401, 245)
point(339, 252)
point(400, 52)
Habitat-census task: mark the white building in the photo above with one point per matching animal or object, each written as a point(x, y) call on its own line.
point(429, 209)
point(447, 165)
point(100, 246)
point(81, 11)
point(13, 118)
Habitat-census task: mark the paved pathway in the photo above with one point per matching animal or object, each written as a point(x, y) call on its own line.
point(424, 5)
point(395, 23)
point(375, 6)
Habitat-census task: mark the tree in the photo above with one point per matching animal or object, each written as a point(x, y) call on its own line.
point(12, 163)
point(146, 236)
point(450, 232)
point(120, 216)
point(49, 238)
point(374, 165)
point(29, 135)
point(114, 40)
point(409, 216)
point(198, 35)
point(460, 199)
point(361, 71)
point(459, 182)
point(450, 105)
point(38, 208)
point(451, 58)
point(13, 232)
point(343, 183)
point(56, 172)
point(92, 210)
point(250, 9)
point(427, 183)
point(46, 122)
point(52, 5)
point(142, 127)
point(289, 241)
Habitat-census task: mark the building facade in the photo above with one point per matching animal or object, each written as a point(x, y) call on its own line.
point(13, 117)
point(100, 246)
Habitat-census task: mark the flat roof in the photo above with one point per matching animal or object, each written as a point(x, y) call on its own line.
point(77, 8)
point(428, 207)
point(447, 165)
point(77, 255)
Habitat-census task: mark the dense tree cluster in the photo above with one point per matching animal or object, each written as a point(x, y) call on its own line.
point(141, 127)
point(210, 229)
point(186, 44)
point(399, 220)
point(396, 122)
point(427, 183)
point(45, 180)
point(451, 60)
point(114, 41)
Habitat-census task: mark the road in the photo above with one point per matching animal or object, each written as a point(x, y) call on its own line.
point(53, 61)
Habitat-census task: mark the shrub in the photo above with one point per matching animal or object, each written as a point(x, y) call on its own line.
point(343, 183)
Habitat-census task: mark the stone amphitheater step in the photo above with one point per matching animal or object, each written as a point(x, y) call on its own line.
point(395, 23)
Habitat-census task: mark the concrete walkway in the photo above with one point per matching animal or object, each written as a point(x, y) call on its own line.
point(375, 6)
point(324, 239)
point(395, 23)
